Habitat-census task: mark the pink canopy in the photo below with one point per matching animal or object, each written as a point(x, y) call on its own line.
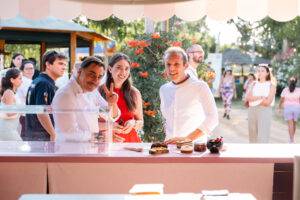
point(158, 10)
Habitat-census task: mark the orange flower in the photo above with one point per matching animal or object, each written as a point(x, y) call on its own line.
point(146, 104)
point(195, 41)
point(164, 75)
point(144, 74)
point(150, 112)
point(142, 43)
point(183, 36)
point(133, 65)
point(138, 51)
point(177, 44)
point(155, 36)
point(211, 75)
point(132, 43)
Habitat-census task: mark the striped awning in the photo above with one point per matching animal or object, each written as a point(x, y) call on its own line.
point(158, 10)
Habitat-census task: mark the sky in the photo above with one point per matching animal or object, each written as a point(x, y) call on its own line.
point(228, 32)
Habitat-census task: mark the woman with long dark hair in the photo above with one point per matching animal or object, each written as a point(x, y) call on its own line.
point(290, 96)
point(9, 122)
point(261, 99)
point(16, 61)
point(129, 101)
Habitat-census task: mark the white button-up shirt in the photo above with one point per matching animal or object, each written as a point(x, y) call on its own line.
point(192, 72)
point(75, 126)
point(187, 107)
point(23, 89)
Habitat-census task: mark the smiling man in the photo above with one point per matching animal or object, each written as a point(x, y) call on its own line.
point(79, 93)
point(41, 92)
point(196, 55)
point(186, 103)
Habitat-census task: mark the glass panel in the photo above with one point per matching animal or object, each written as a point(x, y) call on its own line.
point(22, 123)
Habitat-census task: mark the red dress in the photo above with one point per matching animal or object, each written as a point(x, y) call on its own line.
point(132, 136)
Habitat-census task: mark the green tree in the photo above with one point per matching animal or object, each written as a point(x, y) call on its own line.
point(275, 32)
point(245, 29)
point(114, 27)
point(28, 50)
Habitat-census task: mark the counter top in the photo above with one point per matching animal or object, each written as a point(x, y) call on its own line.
point(91, 152)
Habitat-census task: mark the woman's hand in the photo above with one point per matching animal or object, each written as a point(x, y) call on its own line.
point(128, 126)
point(279, 111)
point(117, 128)
point(111, 96)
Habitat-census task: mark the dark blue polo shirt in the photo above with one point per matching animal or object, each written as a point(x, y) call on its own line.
point(40, 92)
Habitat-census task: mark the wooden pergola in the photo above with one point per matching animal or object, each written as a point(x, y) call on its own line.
point(49, 33)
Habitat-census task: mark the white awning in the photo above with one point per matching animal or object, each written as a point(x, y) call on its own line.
point(158, 10)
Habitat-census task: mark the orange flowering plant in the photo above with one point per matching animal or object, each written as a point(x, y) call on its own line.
point(148, 75)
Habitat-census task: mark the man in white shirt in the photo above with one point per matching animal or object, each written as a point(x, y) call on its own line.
point(196, 55)
point(61, 81)
point(186, 103)
point(78, 126)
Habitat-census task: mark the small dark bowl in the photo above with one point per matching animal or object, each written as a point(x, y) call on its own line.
point(214, 147)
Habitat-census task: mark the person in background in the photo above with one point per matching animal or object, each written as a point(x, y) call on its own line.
point(75, 68)
point(40, 127)
point(16, 62)
point(250, 80)
point(61, 81)
point(290, 96)
point(9, 122)
point(261, 98)
point(36, 71)
point(227, 90)
point(27, 69)
point(129, 101)
point(188, 114)
point(196, 56)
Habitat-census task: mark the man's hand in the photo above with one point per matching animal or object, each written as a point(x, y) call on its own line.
point(116, 138)
point(111, 96)
point(174, 140)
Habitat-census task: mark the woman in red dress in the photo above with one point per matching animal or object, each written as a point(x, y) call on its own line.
point(129, 100)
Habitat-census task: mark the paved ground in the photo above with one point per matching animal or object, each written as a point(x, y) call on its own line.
point(235, 130)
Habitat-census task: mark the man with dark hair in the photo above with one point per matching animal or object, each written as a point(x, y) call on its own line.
point(41, 92)
point(80, 93)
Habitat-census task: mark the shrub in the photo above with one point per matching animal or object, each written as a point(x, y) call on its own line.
point(285, 66)
point(239, 90)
